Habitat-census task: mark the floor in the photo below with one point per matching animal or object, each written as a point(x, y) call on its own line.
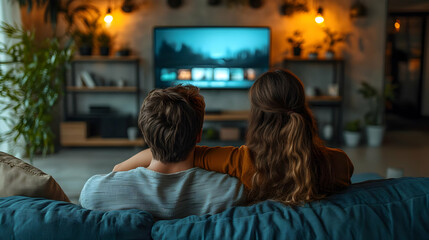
point(404, 153)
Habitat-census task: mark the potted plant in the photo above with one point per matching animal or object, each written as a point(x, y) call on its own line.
point(314, 52)
point(296, 41)
point(332, 38)
point(352, 133)
point(30, 88)
point(373, 118)
point(84, 41)
point(104, 40)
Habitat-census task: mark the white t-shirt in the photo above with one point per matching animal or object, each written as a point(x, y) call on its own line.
point(166, 196)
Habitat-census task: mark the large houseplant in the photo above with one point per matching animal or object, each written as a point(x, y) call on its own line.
point(32, 84)
point(374, 117)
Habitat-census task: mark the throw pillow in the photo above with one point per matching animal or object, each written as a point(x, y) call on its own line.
point(18, 178)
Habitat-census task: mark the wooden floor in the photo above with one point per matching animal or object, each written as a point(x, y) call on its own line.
point(407, 151)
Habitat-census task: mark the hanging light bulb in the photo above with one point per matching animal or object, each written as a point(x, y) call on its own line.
point(108, 18)
point(397, 25)
point(319, 17)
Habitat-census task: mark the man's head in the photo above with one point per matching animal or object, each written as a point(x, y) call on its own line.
point(171, 120)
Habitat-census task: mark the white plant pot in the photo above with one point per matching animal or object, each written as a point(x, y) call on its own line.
point(374, 135)
point(329, 55)
point(351, 139)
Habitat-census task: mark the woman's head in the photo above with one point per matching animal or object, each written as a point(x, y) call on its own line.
point(283, 140)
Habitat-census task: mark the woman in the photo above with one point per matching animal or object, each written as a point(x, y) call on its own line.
point(284, 159)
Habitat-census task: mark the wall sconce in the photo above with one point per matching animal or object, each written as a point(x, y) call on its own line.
point(319, 17)
point(397, 25)
point(108, 18)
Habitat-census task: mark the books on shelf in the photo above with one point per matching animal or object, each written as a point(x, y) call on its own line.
point(87, 79)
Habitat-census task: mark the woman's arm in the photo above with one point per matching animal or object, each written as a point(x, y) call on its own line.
point(141, 159)
point(233, 161)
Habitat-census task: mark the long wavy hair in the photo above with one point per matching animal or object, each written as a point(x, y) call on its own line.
point(287, 153)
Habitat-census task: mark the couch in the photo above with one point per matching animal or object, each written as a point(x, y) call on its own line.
point(380, 209)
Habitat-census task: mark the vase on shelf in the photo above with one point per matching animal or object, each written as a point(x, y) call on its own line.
point(329, 54)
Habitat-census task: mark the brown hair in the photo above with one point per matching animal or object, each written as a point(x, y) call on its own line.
point(171, 120)
point(283, 141)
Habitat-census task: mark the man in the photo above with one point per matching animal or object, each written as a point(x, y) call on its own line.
point(171, 121)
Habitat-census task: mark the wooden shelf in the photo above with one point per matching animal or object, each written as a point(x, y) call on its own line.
point(101, 89)
point(325, 99)
point(228, 116)
point(105, 142)
point(105, 58)
point(318, 60)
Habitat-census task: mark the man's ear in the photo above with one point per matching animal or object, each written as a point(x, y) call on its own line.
point(199, 136)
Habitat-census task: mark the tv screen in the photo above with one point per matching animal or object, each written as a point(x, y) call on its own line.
point(210, 57)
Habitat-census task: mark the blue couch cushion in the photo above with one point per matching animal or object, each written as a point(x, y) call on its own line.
point(24, 218)
point(381, 209)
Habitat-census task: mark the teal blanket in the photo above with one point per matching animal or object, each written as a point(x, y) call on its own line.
point(382, 209)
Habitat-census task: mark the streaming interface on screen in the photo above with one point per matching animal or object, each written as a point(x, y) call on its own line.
point(210, 57)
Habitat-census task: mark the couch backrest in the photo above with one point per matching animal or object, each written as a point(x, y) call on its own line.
point(382, 209)
point(23, 218)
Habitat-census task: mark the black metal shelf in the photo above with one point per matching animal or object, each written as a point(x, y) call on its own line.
point(335, 104)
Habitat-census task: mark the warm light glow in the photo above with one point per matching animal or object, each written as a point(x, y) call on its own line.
point(397, 25)
point(108, 18)
point(319, 18)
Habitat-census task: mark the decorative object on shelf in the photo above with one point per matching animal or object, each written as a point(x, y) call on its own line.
point(32, 87)
point(358, 10)
point(255, 3)
point(373, 118)
point(333, 89)
point(214, 2)
point(174, 3)
point(328, 131)
point(132, 133)
point(229, 134)
point(314, 52)
point(296, 41)
point(124, 51)
point(352, 133)
point(104, 40)
point(210, 134)
point(289, 7)
point(319, 16)
point(332, 38)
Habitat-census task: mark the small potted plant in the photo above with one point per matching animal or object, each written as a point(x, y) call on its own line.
point(332, 38)
point(104, 40)
point(84, 41)
point(373, 118)
point(352, 133)
point(314, 52)
point(296, 41)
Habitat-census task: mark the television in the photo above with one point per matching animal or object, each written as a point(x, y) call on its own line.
point(210, 57)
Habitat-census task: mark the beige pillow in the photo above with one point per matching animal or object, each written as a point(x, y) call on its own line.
point(18, 178)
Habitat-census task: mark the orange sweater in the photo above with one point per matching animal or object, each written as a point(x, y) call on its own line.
point(236, 162)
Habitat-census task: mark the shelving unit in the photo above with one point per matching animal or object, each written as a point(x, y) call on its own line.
point(74, 91)
point(334, 103)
